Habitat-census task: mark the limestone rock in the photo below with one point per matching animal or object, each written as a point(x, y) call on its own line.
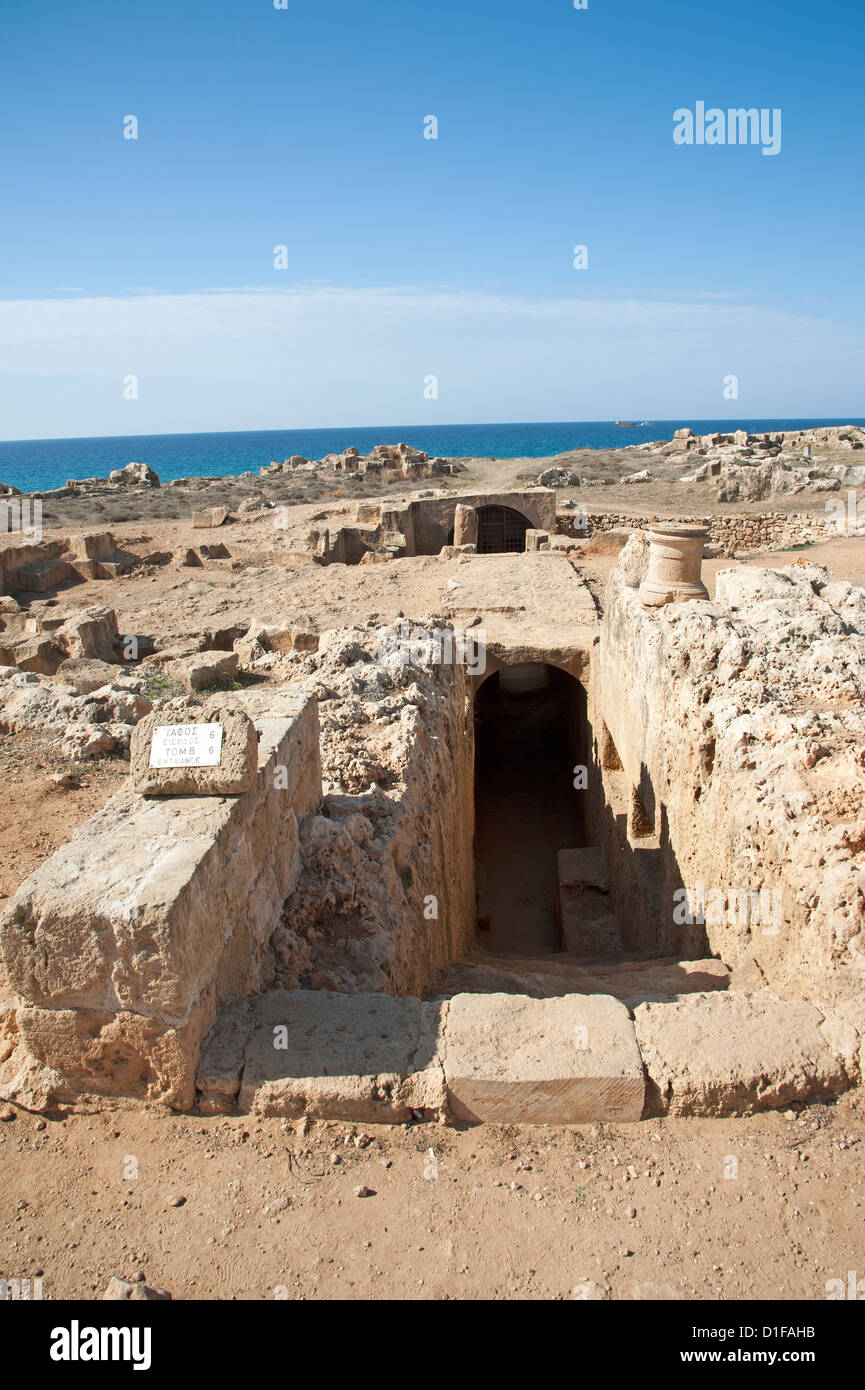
point(210, 517)
point(36, 652)
point(586, 918)
point(84, 674)
point(135, 474)
point(87, 741)
point(120, 1290)
point(365, 1058)
point(92, 632)
point(633, 561)
point(234, 774)
point(513, 1060)
point(122, 945)
point(736, 1053)
point(204, 670)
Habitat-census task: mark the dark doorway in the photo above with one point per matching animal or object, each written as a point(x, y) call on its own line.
point(531, 731)
point(501, 530)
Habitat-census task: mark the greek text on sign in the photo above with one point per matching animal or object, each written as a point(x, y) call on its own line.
point(186, 745)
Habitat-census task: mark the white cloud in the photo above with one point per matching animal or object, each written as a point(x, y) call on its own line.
point(318, 355)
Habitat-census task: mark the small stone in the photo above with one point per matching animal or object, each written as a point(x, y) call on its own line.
point(586, 1291)
point(122, 1290)
point(363, 1192)
point(6, 1112)
point(175, 1200)
point(64, 780)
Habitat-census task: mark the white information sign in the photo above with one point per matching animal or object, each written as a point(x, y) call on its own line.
point(186, 745)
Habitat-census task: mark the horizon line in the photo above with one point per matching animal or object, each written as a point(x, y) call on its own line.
point(454, 424)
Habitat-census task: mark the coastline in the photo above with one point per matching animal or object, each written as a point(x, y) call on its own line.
point(43, 466)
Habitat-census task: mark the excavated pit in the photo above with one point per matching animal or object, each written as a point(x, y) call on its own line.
point(471, 911)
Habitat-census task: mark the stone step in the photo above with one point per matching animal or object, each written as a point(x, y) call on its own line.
point(551, 976)
point(513, 1059)
point(371, 1058)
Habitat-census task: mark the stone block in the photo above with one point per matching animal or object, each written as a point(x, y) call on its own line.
point(204, 670)
point(37, 653)
point(155, 913)
point(209, 517)
point(366, 1058)
point(234, 774)
point(85, 674)
point(514, 1060)
point(735, 1053)
point(97, 546)
point(537, 540)
point(586, 919)
point(92, 632)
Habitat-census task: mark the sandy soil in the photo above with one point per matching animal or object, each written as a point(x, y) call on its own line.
point(248, 1209)
point(38, 815)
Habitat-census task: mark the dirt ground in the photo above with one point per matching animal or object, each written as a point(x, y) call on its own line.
point(37, 814)
point(769, 1207)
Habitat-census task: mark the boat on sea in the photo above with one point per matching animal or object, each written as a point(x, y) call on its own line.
point(626, 424)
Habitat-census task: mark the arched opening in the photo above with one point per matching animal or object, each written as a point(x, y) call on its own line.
point(531, 734)
point(501, 530)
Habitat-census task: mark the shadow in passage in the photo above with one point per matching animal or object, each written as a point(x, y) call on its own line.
point(531, 731)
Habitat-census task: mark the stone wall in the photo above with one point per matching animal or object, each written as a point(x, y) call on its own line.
point(739, 728)
point(753, 532)
point(386, 896)
point(121, 947)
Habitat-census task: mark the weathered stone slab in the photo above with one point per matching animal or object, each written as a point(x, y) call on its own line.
point(234, 774)
point(123, 944)
point(85, 674)
point(209, 517)
point(356, 1057)
point(544, 585)
point(38, 653)
point(514, 1060)
point(734, 1053)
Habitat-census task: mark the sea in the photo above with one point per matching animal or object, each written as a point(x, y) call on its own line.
point(40, 465)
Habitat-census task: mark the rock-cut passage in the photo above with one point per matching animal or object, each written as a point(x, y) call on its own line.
point(530, 725)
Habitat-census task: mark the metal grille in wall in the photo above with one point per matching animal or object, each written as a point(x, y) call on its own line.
point(501, 529)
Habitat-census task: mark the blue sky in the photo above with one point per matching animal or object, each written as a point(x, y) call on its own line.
point(410, 257)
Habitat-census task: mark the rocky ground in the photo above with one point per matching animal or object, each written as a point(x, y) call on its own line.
point(245, 1208)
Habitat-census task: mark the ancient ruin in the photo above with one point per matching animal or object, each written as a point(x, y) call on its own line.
point(512, 845)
